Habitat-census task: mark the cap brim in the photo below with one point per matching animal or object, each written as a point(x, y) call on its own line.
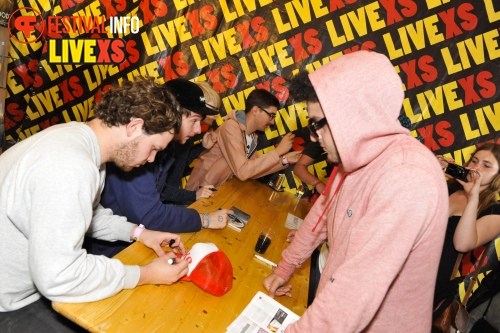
point(204, 111)
point(190, 97)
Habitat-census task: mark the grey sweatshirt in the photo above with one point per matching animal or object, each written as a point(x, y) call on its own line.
point(50, 186)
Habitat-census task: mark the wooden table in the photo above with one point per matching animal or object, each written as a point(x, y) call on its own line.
point(184, 307)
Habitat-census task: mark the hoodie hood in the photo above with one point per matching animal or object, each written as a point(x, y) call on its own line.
point(241, 116)
point(361, 95)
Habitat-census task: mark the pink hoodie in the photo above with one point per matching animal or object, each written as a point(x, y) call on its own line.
point(386, 223)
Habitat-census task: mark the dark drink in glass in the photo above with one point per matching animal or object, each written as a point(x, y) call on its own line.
point(262, 243)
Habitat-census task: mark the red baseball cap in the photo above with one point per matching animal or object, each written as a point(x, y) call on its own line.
point(209, 268)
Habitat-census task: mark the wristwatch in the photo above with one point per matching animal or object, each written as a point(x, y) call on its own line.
point(284, 161)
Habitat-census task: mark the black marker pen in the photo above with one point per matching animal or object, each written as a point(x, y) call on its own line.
point(213, 189)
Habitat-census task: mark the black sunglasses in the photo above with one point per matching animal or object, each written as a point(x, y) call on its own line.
point(212, 107)
point(272, 115)
point(316, 125)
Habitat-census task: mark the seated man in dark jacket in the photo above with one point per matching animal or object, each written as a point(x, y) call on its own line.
point(140, 194)
point(181, 152)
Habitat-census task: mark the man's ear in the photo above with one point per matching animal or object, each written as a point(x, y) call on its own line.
point(134, 127)
point(254, 109)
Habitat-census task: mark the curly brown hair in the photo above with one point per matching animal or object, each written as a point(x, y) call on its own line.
point(144, 99)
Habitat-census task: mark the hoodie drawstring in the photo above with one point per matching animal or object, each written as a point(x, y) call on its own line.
point(327, 189)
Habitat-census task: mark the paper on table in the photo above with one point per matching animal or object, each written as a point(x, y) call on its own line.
point(263, 314)
point(293, 222)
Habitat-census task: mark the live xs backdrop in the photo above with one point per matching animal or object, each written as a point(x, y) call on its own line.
point(446, 53)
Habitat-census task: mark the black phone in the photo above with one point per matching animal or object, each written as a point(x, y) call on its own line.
point(457, 171)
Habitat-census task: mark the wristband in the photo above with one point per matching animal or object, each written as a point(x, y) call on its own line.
point(284, 161)
point(207, 218)
point(137, 232)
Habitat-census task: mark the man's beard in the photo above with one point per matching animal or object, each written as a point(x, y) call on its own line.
point(125, 153)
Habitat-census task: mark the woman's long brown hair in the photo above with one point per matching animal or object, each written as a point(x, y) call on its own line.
point(489, 196)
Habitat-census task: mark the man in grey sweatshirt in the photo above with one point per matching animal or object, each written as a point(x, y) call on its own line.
point(50, 186)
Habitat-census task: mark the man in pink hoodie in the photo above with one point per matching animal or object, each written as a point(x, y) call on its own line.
point(384, 209)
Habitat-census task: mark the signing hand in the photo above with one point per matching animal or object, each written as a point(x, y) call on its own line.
point(293, 157)
point(159, 271)
point(156, 239)
point(204, 192)
point(285, 144)
point(274, 284)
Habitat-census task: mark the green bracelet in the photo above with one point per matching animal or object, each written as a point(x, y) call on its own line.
point(207, 218)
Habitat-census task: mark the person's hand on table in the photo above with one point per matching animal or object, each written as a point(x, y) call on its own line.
point(205, 192)
point(159, 271)
point(290, 236)
point(156, 239)
point(274, 284)
point(219, 218)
